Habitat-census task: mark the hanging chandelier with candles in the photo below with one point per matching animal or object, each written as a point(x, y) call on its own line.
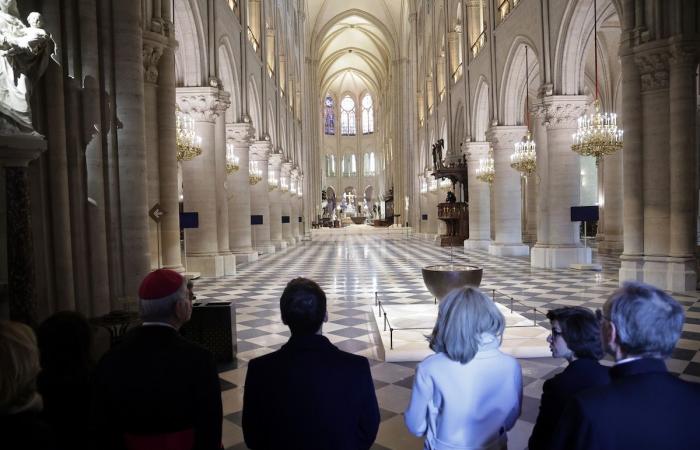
point(524, 158)
point(231, 160)
point(597, 134)
point(254, 173)
point(189, 145)
point(486, 171)
point(272, 179)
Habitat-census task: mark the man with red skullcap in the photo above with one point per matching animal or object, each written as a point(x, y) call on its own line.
point(156, 389)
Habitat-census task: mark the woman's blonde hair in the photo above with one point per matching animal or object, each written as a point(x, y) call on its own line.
point(464, 315)
point(19, 365)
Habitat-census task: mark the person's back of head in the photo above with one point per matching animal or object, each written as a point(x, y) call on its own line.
point(303, 306)
point(580, 329)
point(648, 322)
point(163, 298)
point(19, 367)
point(65, 343)
point(466, 318)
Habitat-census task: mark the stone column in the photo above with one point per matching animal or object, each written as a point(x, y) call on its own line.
point(612, 206)
point(171, 256)
point(240, 241)
point(259, 199)
point(295, 202)
point(286, 197)
point(682, 262)
point(530, 183)
point(222, 193)
point(204, 104)
point(275, 196)
point(15, 154)
point(131, 138)
point(152, 51)
point(479, 204)
point(507, 193)
point(632, 207)
point(558, 240)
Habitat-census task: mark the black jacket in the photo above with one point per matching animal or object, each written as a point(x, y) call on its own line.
point(578, 376)
point(309, 395)
point(157, 382)
point(644, 407)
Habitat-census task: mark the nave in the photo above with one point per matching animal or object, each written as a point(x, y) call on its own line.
point(351, 268)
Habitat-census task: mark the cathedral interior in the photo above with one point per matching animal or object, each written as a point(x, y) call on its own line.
point(247, 142)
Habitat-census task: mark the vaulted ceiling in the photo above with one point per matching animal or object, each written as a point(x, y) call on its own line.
point(354, 41)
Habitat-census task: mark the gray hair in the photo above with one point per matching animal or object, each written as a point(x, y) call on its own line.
point(464, 315)
point(162, 309)
point(648, 320)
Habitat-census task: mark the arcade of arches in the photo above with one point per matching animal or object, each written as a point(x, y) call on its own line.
point(306, 110)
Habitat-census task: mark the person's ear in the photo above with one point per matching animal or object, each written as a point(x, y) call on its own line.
point(183, 310)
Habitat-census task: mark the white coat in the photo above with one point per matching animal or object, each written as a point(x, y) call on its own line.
point(466, 406)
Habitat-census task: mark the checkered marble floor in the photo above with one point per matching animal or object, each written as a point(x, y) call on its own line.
point(352, 268)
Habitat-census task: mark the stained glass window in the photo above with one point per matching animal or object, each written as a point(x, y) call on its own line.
point(367, 115)
point(329, 120)
point(347, 116)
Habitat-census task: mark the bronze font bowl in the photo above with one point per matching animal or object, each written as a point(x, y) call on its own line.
point(358, 220)
point(440, 279)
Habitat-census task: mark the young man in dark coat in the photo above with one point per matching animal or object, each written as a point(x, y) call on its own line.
point(157, 388)
point(644, 406)
point(309, 394)
point(575, 337)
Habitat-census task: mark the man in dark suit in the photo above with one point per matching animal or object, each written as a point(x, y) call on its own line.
point(575, 337)
point(309, 394)
point(156, 388)
point(644, 406)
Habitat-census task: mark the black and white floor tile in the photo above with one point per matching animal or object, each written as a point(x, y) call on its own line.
point(352, 268)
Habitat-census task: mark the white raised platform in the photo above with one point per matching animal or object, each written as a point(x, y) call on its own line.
point(521, 339)
point(360, 230)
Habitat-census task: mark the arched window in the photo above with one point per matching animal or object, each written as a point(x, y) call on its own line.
point(329, 112)
point(330, 165)
point(347, 116)
point(349, 165)
point(370, 165)
point(367, 115)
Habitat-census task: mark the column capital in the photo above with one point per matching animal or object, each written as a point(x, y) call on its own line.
point(505, 135)
point(560, 111)
point(152, 51)
point(684, 54)
point(241, 133)
point(259, 150)
point(653, 68)
point(204, 104)
point(287, 168)
point(275, 160)
point(477, 150)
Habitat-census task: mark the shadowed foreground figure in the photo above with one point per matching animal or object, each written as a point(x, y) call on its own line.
point(308, 395)
point(575, 337)
point(157, 390)
point(644, 406)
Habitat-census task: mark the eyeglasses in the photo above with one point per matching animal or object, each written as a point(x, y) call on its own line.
point(555, 333)
point(600, 316)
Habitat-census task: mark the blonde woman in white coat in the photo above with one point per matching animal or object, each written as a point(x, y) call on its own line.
point(468, 394)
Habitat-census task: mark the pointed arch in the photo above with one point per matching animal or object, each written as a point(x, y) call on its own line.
point(482, 113)
point(228, 73)
point(254, 106)
point(190, 54)
point(513, 89)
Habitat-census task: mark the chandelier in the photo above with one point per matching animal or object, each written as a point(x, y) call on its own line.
point(272, 179)
point(487, 169)
point(254, 173)
point(524, 158)
point(284, 184)
point(597, 134)
point(189, 145)
point(231, 160)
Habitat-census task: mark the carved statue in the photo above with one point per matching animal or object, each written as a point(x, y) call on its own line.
point(24, 56)
point(451, 198)
point(439, 147)
point(434, 158)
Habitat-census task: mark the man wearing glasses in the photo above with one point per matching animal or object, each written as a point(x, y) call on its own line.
point(645, 406)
